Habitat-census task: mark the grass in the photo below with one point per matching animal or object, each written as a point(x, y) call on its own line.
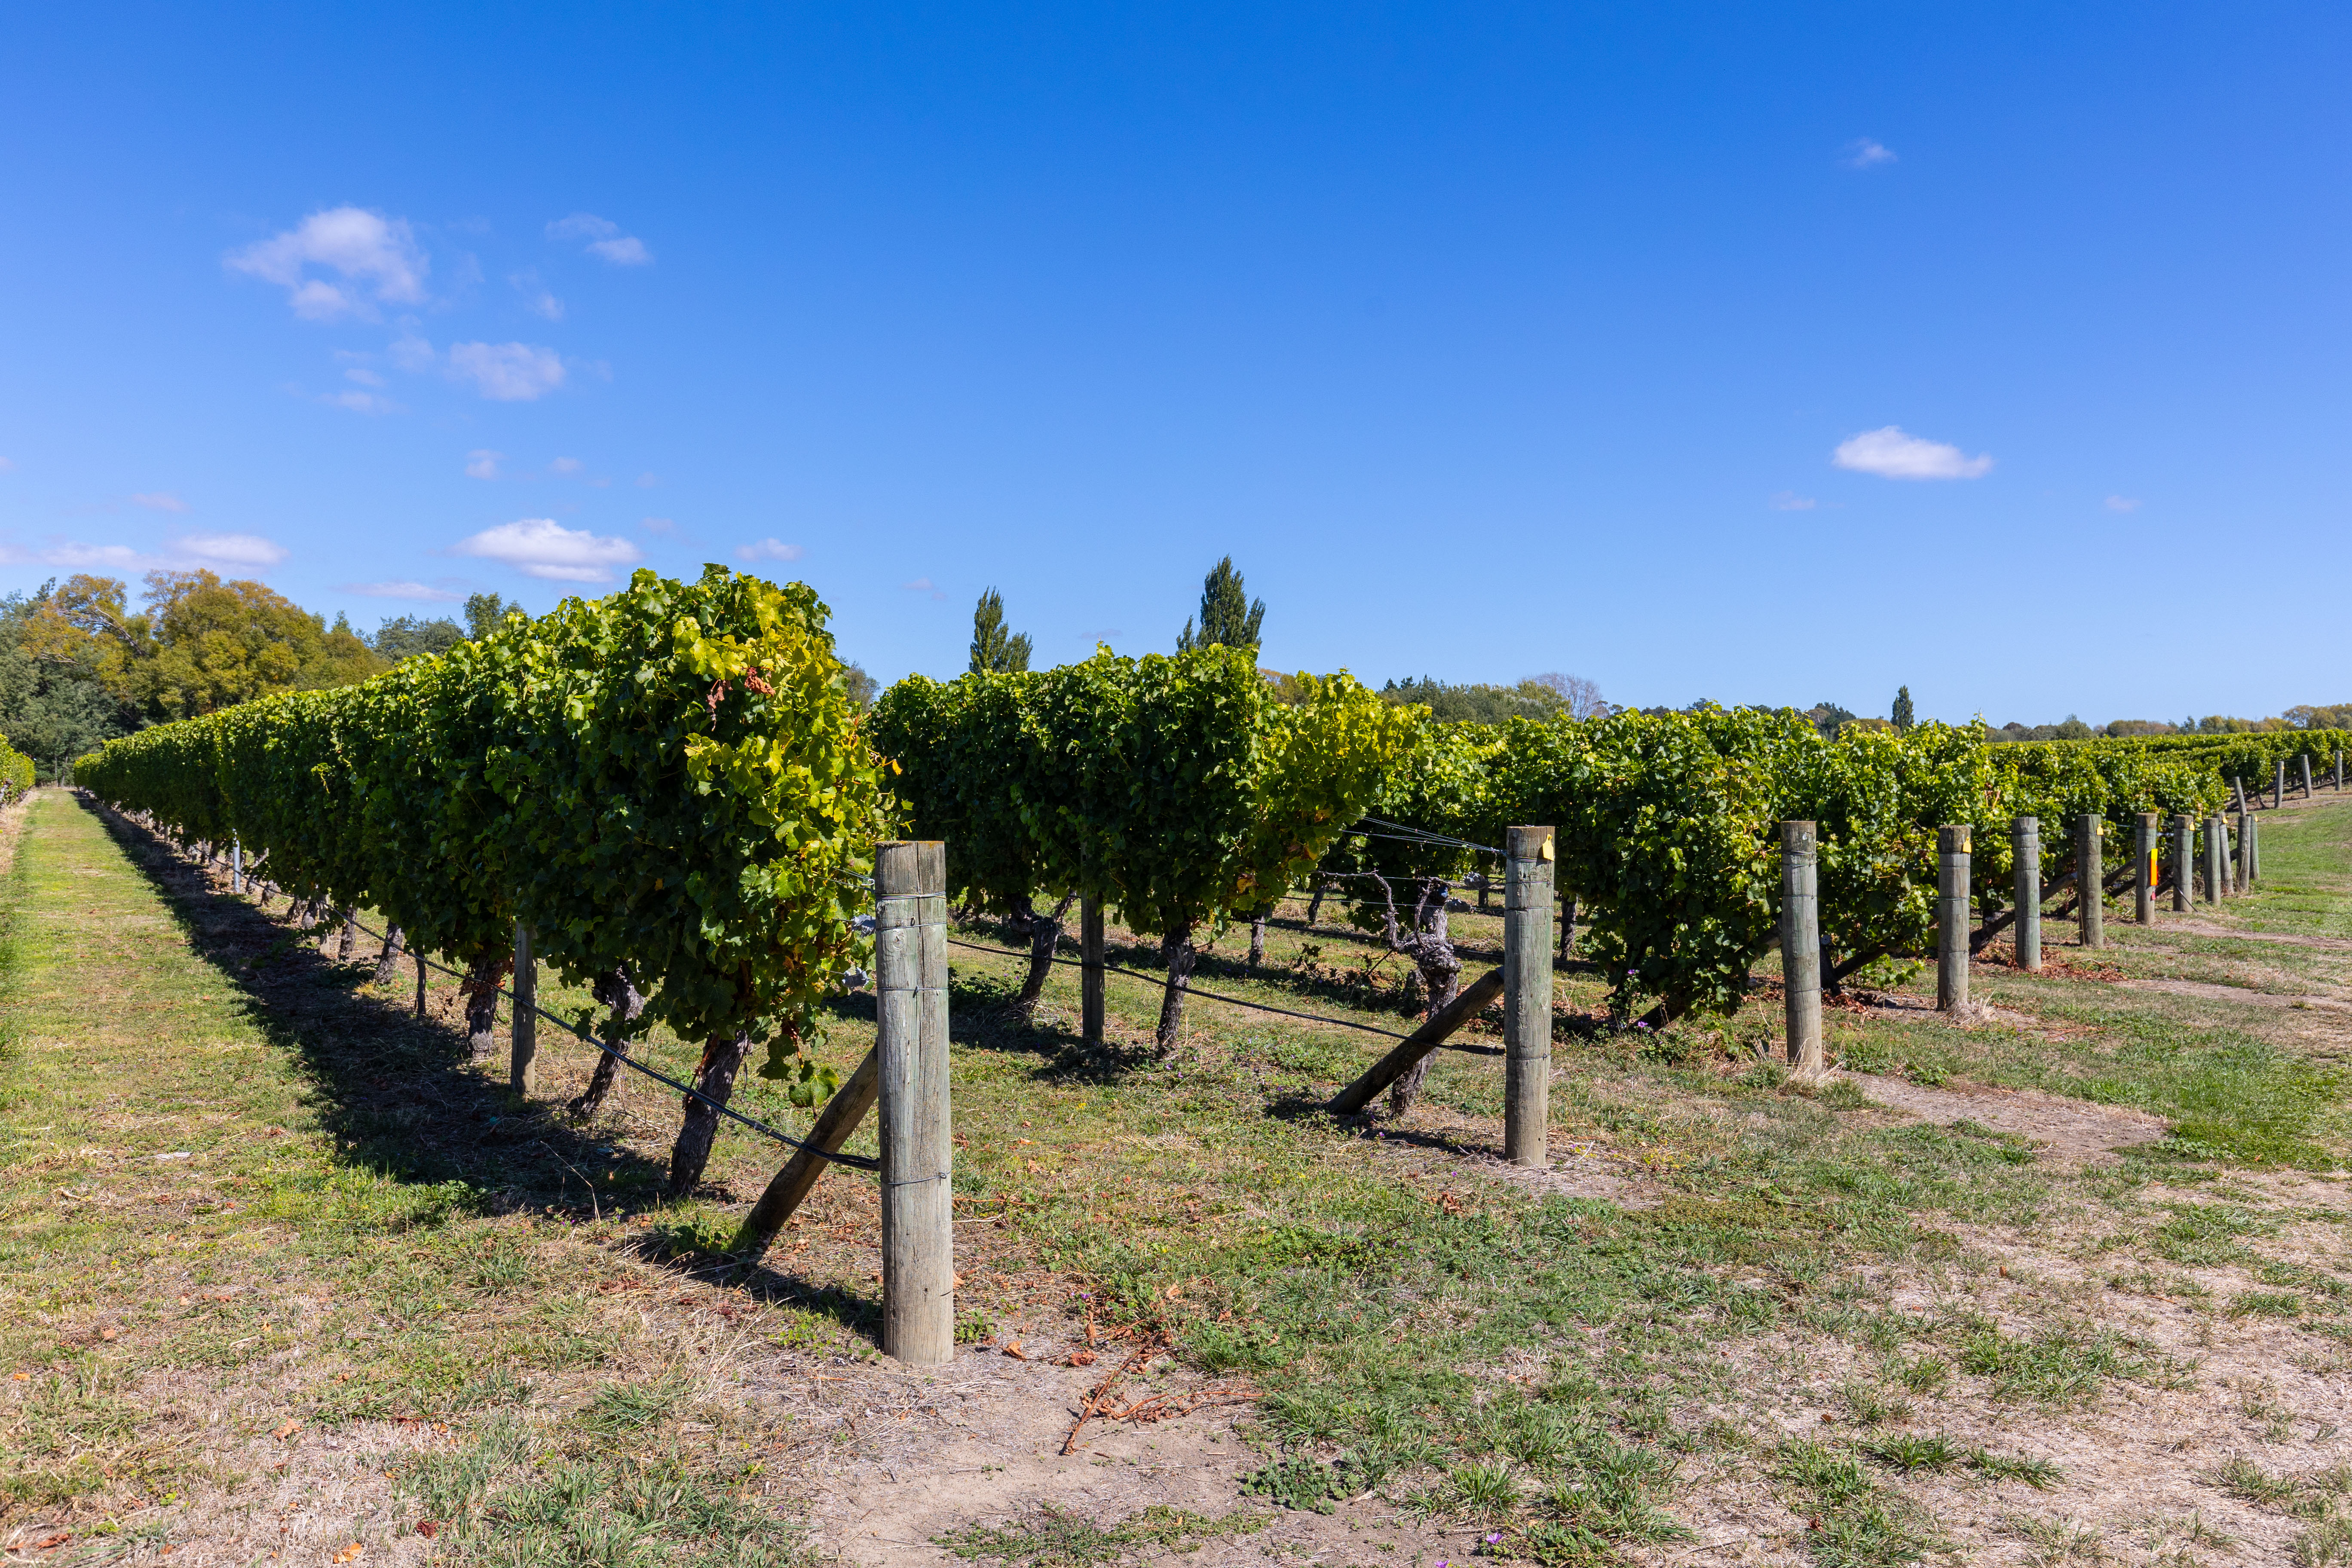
point(399, 1240)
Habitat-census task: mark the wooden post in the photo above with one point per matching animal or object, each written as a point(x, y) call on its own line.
point(2238, 794)
point(521, 1062)
point(2025, 846)
point(1467, 1003)
point(1951, 919)
point(2217, 854)
point(1090, 970)
point(2144, 881)
point(910, 971)
point(2184, 834)
point(2089, 870)
point(2339, 769)
point(2243, 876)
point(2253, 850)
point(2304, 761)
point(840, 1118)
point(237, 864)
point(1527, 995)
point(420, 983)
point(1801, 949)
point(2278, 786)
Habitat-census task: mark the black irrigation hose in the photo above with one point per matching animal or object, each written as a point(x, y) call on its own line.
point(857, 1162)
point(1211, 996)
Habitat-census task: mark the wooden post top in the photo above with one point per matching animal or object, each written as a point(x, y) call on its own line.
point(1797, 837)
point(1528, 843)
point(1952, 838)
point(911, 865)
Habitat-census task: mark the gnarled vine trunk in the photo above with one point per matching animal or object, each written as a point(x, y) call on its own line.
point(714, 1077)
point(350, 936)
point(1177, 948)
point(615, 991)
point(1257, 936)
point(481, 989)
point(387, 962)
point(1429, 945)
point(1045, 934)
point(1314, 900)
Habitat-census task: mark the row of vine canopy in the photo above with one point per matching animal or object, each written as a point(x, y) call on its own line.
point(672, 788)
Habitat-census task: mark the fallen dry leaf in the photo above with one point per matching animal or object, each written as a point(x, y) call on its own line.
point(1014, 1350)
point(286, 1431)
point(1083, 1358)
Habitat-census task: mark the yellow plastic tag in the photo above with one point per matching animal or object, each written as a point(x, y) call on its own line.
point(1546, 853)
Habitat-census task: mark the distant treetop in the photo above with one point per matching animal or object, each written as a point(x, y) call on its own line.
point(1228, 618)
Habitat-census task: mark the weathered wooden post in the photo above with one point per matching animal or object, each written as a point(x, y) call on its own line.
point(2184, 834)
point(911, 971)
point(2217, 854)
point(2025, 845)
point(2278, 786)
point(2089, 878)
point(2339, 769)
point(237, 864)
point(1527, 859)
point(1801, 949)
point(2304, 761)
point(2243, 878)
point(1951, 919)
point(2143, 882)
point(1090, 969)
point(420, 983)
point(522, 1070)
point(2253, 850)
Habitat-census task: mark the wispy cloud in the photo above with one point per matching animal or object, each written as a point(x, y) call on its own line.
point(7, 466)
point(542, 547)
point(507, 372)
point(376, 256)
point(565, 466)
point(411, 353)
point(769, 549)
point(923, 585)
point(659, 525)
point(232, 549)
point(1892, 455)
point(364, 376)
point(1789, 500)
point(229, 550)
point(1864, 153)
point(421, 592)
point(2122, 503)
point(160, 500)
point(360, 402)
point(481, 463)
point(535, 298)
point(604, 237)
point(647, 482)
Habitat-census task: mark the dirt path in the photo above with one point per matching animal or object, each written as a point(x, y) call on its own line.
point(2071, 1131)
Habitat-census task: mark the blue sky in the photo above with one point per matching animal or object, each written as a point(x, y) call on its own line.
point(1489, 339)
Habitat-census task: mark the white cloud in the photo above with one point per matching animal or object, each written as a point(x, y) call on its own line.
point(565, 466)
point(418, 591)
point(535, 298)
point(1865, 153)
point(1892, 455)
point(363, 376)
point(605, 238)
point(360, 402)
point(507, 372)
point(1789, 500)
point(2122, 503)
point(160, 500)
point(646, 481)
point(411, 353)
point(770, 550)
point(542, 547)
point(232, 549)
point(626, 251)
point(919, 585)
point(375, 255)
point(659, 525)
point(483, 464)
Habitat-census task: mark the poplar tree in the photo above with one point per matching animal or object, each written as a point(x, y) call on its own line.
point(1228, 618)
point(995, 650)
point(1901, 715)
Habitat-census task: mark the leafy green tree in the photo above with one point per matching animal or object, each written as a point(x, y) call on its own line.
point(995, 650)
point(484, 611)
point(1902, 716)
point(52, 710)
point(413, 637)
point(200, 644)
point(1228, 618)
